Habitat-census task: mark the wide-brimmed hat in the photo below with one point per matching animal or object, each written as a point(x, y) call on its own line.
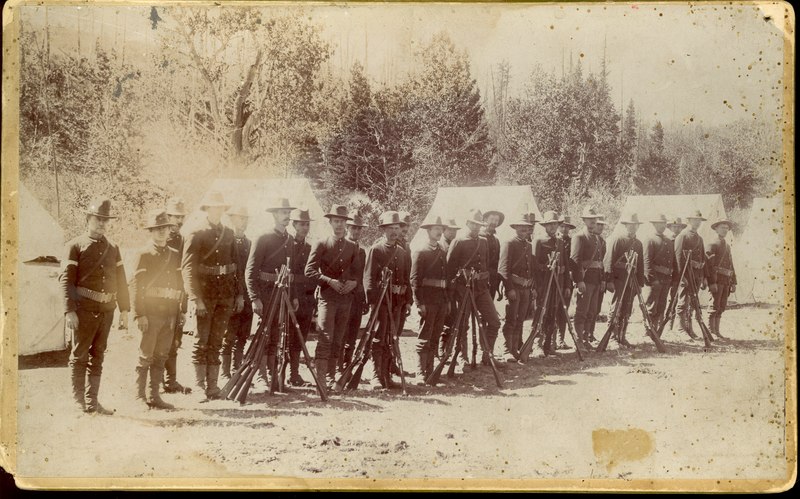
point(356, 219)
point(495, 212)
point(157, 218)
point(566, 221)
point(697, 215)
point(100, 208)
point(660, 218)
point(389, 218)
point(475, 216)
point(239, 210)
point(300, 215)
point(676, 221)
point(176, 206)
point(721, 222)
point(405, 218)
point(549, 217)
point(432, 221)
point(590, 212)
point(452, 224)
point(631, 219)
point(338, 211)
point(279, 204)
point(523, 220)
point(213, 198)
point(601, 221)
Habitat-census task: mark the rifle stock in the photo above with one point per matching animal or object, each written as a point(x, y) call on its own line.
point(485, 345)
point(559, 291)
point(527, 347)
point(648, 326)
point(320, 387)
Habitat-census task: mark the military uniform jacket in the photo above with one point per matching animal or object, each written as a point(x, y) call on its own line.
point(175, 241)
point(92, 271)
point(564, 247)
point(689, 240)
point(587, 253)
point(333, 259)
point(383, 255)
point(302, 287)
point(361, 261)
point(157, 285)
point(429, 275)
point(515, 265)
point(468, 253)
point(615, 260)
point(492, 259)
point(243, 245)
point(720, 262)
point(542, 247)
point(264, 262)
point(659, 258)
point(209, 263)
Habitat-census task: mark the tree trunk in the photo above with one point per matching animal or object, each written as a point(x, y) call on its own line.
point(239, 119)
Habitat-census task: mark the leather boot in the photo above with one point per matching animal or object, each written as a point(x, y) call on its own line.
point(200, 378)
point(347, 358)
point(294, 370)
point(226, 366)
point(92, 404)
point(171, 384)
point(141, 384)
point(388, 362)
point(154, 399)
point(330, 377)
point(212, 375)
point(272, 375)
point(429, 366)
point(263, 375)
point(78, 374)
point(321, 365)
point(685, 324)
point(422, 367)
point(237, 359)
point(378, 380)
point(623, 332)
point(561, 345)
point(443, 342)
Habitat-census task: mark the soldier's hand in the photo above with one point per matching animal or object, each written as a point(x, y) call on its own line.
point(295, 304)
point(581, 288)
point(733, 288)
point(123, 320)
point(422, 310)
point(141, 323)
point(337, 286)
point(258, 307)
point(238, 304)
point(71, 319)
point(200, 308)
point(610, 287)
point(512, 295)
point(349, 286)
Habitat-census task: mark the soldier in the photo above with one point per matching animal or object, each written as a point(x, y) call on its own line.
point(563, 243)
point(470, 252)
point(516, 269)
point(176, 212)
point(587, 253)
point(360, 306)
point(93, 284)
point(698, 271)
point(156, 294)
point(543, 246)
point(303, 289)
point(332, 264)
point(675, 227)
point(211, 281)
point(387, 253)
point(271, 251)
point(720, 262)
point(448, 236)
point(599, 229)
point(429, 286)
point(240, 324)
point(615, 264)
point(449, 233)
point(659, 263)
point(493, 219)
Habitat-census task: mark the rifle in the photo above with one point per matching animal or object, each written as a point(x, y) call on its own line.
point(451, 344)
point(695, 304)
point(525, 351)
point(564, 307)
point(320, 387)
point(394, 342)
point(601, 347)
point(277, 381)
point(461, 340)
point(648, 326)
point(484, 343)
point(673, 303)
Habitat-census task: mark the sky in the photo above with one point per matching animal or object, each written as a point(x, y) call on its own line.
point(701, 64)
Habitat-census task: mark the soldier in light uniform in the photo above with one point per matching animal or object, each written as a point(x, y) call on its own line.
point(241, 323)
point(212, 283)
point(176, 213)
point(720, 262)
point(493, 219)
point(333, 266)
point(563, 244)
point(516, 269)
point(430, 291)
point(698, 270)
point(303, 289)
point(93, 284)
point(156, 294)
point(587, 253)
point(543, 246)
point(659, 263)
point(360, 307)
point(615, 264)
point(387, 253)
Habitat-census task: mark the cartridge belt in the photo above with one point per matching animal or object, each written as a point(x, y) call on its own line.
point(592, 264)
point(435, 283)
point(166, 293)
point(521, 281)
point(662, 270)
point(266, 276)
point(301, 279)
point(398, 289)
point(96, 295)
point(725, 272)
point(698, 265)
point(218, 269)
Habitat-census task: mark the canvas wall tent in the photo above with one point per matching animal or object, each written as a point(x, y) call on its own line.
point(758, 254)
point(456, 202)
point(41, 243)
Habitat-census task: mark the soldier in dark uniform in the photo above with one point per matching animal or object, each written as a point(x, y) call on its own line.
point(211, 281)
point(615, 264)
point(240, 324)
point(359, 306)
point(698, 270)
point(675, 226)
point(587, 253)
point(176, 212)
point(387, 253)
point(448, 236)
point(449, 233)
point(599, 230)
point(543, 246)
point(93, 284)
point(493, 219)
point(659, 263)
point(429, 287)
point(467, 252)
point(333, 265)
point(302, 288)
point(271, 251)
point(156, 294)
point(563, 244)
point(720, 262)
point(516, 269)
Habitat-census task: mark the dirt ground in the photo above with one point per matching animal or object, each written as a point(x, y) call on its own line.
point(636, 413)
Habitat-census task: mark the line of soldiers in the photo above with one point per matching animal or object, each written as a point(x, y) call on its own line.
point(228, 279)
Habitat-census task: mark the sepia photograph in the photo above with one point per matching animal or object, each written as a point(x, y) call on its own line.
point(399, 246)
